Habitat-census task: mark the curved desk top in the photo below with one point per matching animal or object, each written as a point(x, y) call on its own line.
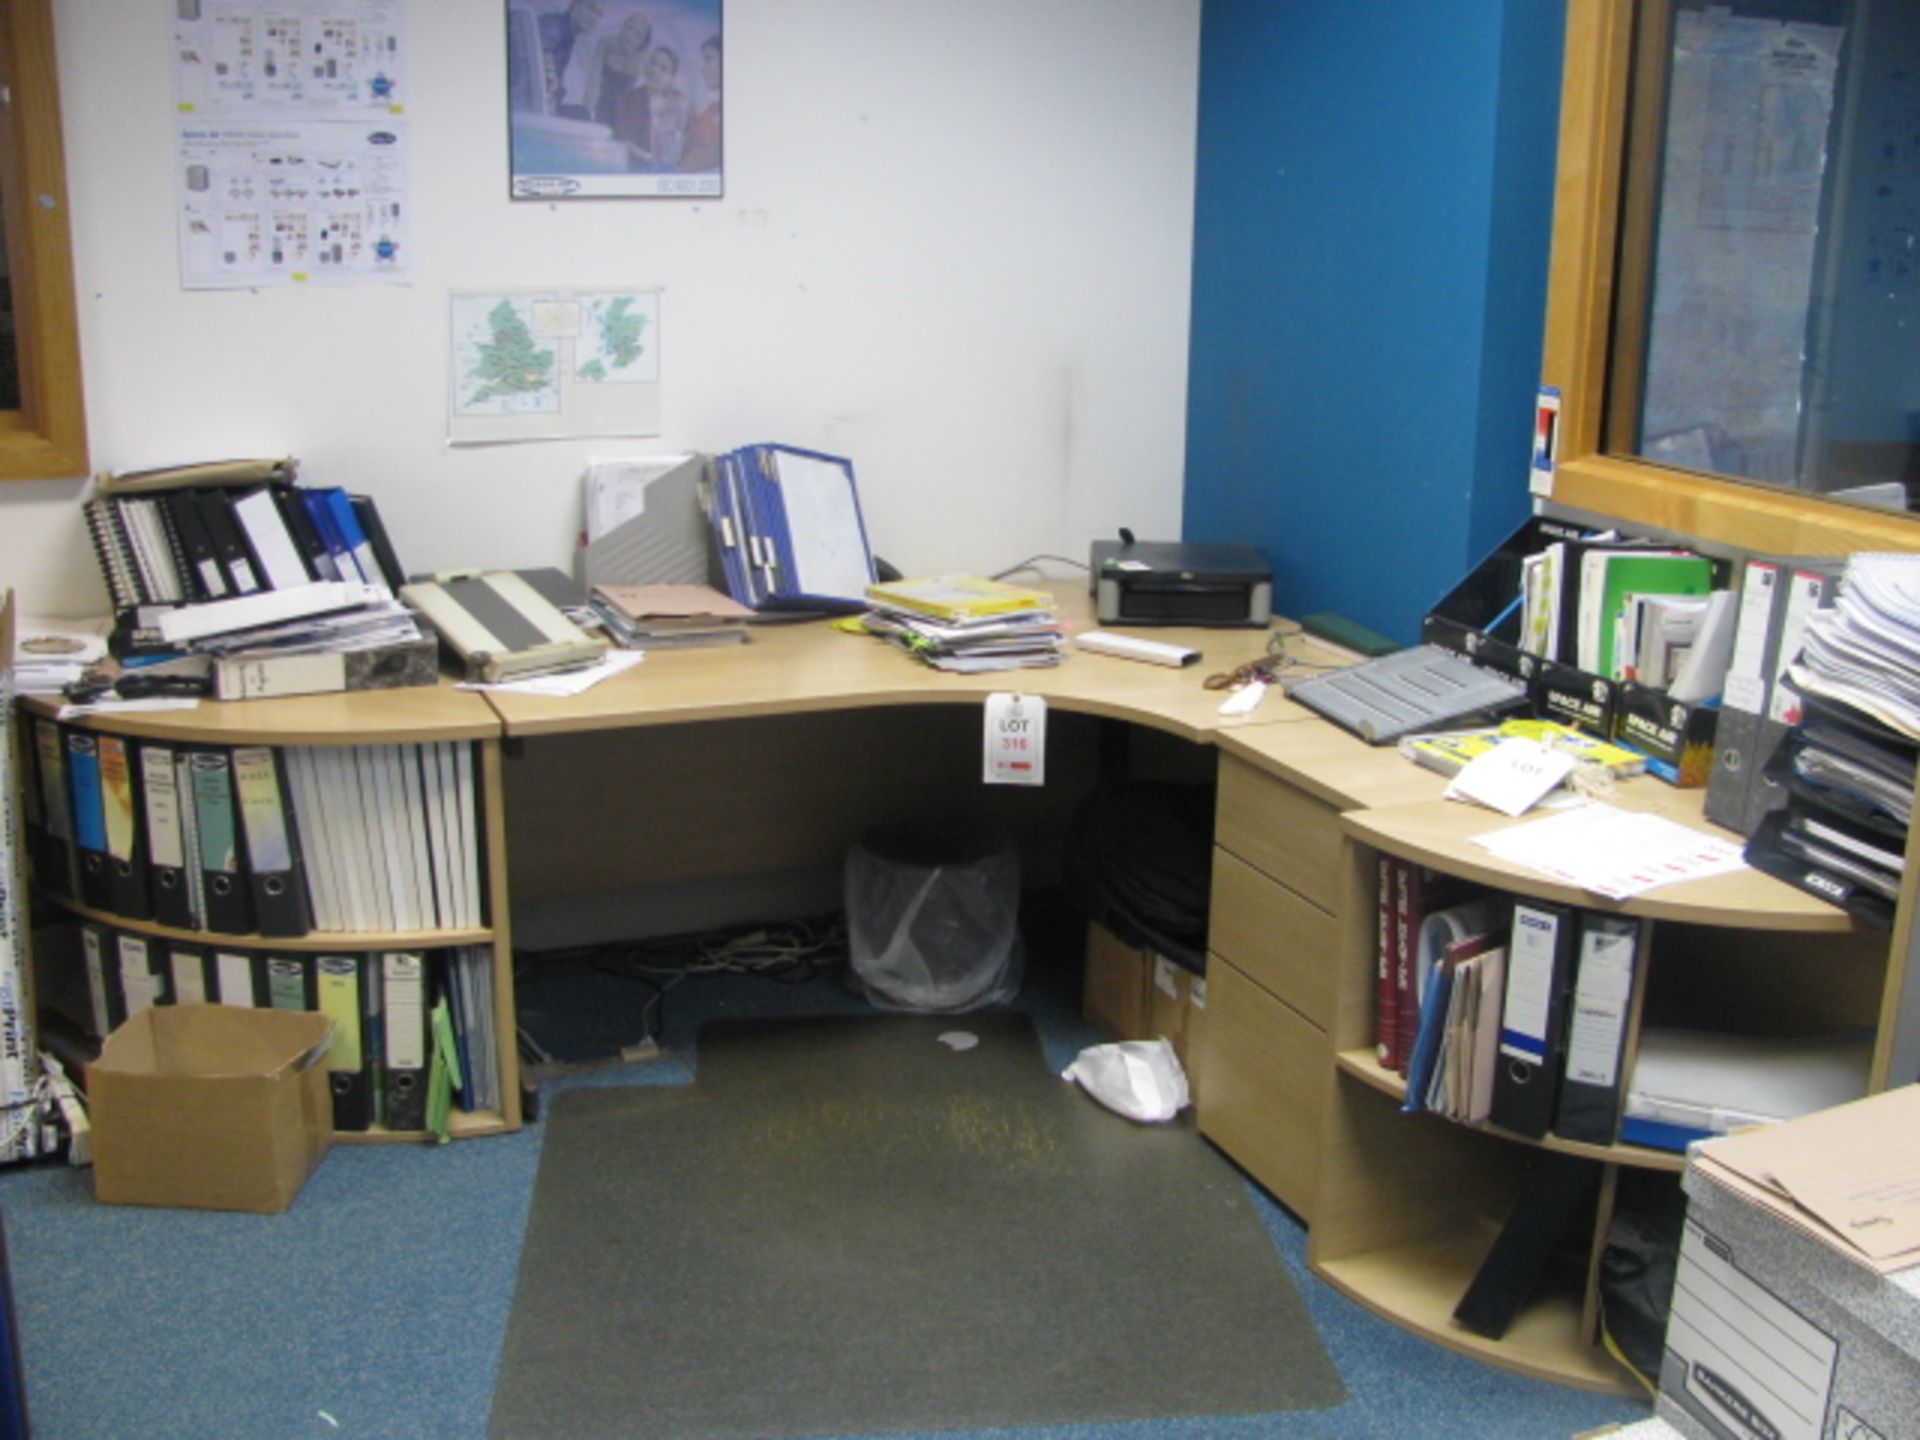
point(1391, 804)
point(781, 669)
point(362, 717)
point(811, 666)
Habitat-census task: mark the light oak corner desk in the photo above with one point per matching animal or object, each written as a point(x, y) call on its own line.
point(702, 782)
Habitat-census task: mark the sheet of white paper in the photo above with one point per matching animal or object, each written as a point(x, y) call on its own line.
point(823, 524)
point(130, 707)
point(566, 682)
point(1512, 777)
point(1613, 852)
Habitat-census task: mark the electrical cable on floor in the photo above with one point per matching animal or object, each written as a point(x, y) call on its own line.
point(787, 952)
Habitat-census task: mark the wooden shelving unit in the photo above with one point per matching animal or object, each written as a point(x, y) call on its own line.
point(398, 717)
point(1408, 1206)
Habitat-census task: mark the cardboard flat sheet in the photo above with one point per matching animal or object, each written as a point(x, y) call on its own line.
point(1849, 1175)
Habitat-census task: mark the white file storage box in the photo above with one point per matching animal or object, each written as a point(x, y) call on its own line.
point(1773, 1332)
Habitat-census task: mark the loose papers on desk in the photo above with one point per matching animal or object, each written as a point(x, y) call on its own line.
point(653, 617)
point(49, 655)
point(560, 684)
point(1613, 852)
point(966, 624)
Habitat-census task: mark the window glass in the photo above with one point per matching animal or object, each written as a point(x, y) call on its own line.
point(1769, 265)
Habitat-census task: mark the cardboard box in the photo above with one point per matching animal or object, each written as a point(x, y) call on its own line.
point(1775, 1332)
point(1136, 994)
point(210, 1106)
point(1113, 992)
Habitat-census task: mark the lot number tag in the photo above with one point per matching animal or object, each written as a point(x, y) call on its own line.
point(1016, 750)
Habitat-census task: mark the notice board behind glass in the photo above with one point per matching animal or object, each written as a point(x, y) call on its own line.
point(1734, 293)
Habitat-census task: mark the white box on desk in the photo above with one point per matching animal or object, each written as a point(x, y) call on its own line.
point(1776, 1333)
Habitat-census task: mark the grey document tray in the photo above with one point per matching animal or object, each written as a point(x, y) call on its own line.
point(1425, 688)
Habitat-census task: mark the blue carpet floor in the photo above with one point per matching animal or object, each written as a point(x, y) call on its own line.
point(375, 1307)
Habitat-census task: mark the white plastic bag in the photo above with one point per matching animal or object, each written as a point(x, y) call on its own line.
point(1140, 1079)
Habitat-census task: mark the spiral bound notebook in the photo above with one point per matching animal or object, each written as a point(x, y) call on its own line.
point(115, 552)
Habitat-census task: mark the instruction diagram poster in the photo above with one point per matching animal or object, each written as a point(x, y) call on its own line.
point(614, 98)
point(290, 141)
point(553, 364)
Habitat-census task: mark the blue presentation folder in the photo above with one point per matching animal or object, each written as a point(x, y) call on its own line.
point(806, 529)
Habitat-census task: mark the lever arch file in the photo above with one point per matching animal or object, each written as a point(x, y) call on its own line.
point(166, 841)
point(128, 894)
point(229, 906)
point(273, 849)
point(1592, 1089)
point(340, 983)
point(403, 1010)
point(1532, 1039)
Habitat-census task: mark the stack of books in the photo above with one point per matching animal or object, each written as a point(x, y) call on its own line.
point(966, 623)
point(660, 617)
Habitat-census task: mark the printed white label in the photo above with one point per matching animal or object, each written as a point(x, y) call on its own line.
point(1016, 740)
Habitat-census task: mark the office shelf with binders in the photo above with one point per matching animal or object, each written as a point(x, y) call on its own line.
point(397, 874)
point(1410, 1205)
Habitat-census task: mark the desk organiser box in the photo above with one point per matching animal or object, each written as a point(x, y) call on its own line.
point(1676, 737)
point(1479, 618)
point(211, 1107)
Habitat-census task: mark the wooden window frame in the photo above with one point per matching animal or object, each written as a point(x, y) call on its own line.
point(1582, 292)
point(46, 438)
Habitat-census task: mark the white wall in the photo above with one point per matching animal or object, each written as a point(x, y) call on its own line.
point(954, 247)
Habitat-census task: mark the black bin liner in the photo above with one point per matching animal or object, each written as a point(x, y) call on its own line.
point(1140, 861)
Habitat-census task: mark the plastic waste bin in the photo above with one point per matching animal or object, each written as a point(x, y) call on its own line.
point(933, 914)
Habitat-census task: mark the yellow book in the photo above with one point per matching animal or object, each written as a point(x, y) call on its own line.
point(957, 599)
point(1449, 751)
point(1622, 761)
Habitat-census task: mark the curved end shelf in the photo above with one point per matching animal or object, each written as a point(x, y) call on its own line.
point(1361, 1065)
point(1416, 1287)
point(1440, 834)
point(461, 1124)
point(328, 940)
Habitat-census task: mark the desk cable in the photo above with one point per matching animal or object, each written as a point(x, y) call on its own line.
point(1269, 668)
point(786, 952)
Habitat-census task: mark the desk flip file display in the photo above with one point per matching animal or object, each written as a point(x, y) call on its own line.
point(1425, 688)
point(788, 527)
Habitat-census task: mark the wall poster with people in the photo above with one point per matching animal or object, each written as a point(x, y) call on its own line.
point(614, 98)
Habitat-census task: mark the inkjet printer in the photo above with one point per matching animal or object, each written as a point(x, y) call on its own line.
point(1143, 582)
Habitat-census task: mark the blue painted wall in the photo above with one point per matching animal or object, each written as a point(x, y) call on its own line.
point(1373, 209)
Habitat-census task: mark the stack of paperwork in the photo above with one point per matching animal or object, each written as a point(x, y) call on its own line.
point(1865, 651)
